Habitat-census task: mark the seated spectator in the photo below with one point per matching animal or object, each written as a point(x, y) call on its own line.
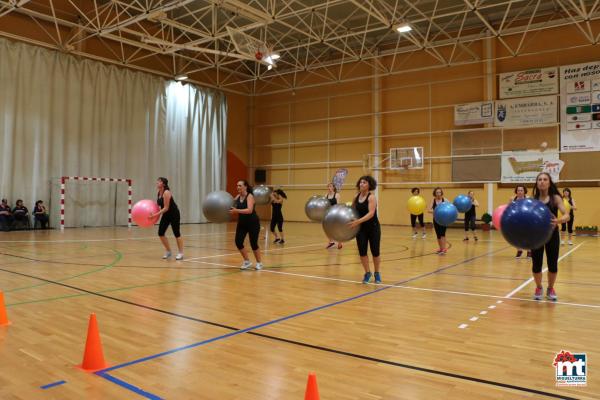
point(40, 214)
point(21, 214)
point(6, 217)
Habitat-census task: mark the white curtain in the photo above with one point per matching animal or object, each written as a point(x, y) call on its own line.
point(65, 116)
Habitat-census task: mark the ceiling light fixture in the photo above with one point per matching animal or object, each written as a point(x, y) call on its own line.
point(181, 77)
point(404, 28)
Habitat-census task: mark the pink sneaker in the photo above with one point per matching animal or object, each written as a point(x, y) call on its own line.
point(539, 293)
point(551, 294)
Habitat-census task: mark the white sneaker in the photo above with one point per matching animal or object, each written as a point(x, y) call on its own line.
point(167, 255)
point(258, 266)
point(179, 256)
point(570, 243)
point(414, 236)
point(423, 236)
point(562, 242)
point(246, 264)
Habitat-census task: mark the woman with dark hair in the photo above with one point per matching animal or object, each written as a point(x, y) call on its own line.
point(276, 215)
point(369, 234)
point(248, 224)
point(169, 216)
point(413, 218)
point(567, 195)
point(333, 197)
point(520, 194)
point(471, 217)
point(440, 230)
point(21, 214)
point(40, 214)
point(545, 191)
point(6, 217)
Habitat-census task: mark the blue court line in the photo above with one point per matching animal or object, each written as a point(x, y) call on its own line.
point(129, 386)
point(103, 373)
point(53, 384)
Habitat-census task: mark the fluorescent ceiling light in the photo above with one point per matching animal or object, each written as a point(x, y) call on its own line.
point(181, 77)
point(404, 28)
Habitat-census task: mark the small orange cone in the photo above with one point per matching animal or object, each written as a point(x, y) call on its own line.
point(93, 358)
point(312, 391)
point(3, 317)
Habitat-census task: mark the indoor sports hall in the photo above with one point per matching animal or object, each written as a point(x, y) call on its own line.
point(299, 199)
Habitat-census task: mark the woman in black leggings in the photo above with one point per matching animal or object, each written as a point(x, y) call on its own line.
point(276, 215)
point(420, 217)
point(440, 230)
point(545, 191)
point(369, 234)
point(169, 216)
point(248, 224)
point(471, 217)
point(569, 225)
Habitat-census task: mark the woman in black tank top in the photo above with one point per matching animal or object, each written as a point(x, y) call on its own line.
point(277, 215)
point(440, 230)
point(545, 191)
point(520, 194)
point(169, 216)
point(333, 197)
point(568, 227)
point(369, 234)
point(248, 224)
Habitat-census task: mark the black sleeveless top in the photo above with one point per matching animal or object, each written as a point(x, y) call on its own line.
point(332, 201)
point(276, 211)
point(173, 209)
point(241, 205)
point(471, 212)
point(363, 209)
point(571, 211)
point(552, 207)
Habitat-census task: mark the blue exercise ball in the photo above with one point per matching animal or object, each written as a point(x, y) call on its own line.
point(445, 213)
point(526, 224)
point(462, 203)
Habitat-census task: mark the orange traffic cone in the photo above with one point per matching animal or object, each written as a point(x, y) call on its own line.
point(312, 391)
point(93, 358)
point(3, 317)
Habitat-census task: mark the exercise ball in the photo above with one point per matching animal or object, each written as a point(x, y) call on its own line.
point(416, 205)
point(567, 207)
point(216, 206)
point(141, 211)
point(497, 216)
point(335, 223)
point(462, 203)
point(445, 213)
point(316, 207)
point(526, 224)
point(262, 195)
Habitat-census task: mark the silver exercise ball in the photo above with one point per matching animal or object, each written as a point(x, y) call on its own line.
point(262, 195)
point(316, 207)
point(335, 223)
point(216, 206)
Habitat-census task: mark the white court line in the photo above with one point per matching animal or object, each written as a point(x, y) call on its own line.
point(428, 289)
point(528, 281)
point(106, 240)
point(473, 319)
point(463, 326)
point(264, 251)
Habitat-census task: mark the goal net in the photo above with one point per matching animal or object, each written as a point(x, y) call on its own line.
point(92, 202)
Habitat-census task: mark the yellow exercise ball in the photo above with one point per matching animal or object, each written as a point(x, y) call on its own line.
point(567, 206)
point(416, 205)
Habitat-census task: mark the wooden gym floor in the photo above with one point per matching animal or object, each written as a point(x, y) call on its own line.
point(453, 327)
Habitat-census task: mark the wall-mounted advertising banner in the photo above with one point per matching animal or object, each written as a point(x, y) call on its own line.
point(526, 112)
point(474, 113)
point(524, 166)
point(533, 82)
point(580, 107)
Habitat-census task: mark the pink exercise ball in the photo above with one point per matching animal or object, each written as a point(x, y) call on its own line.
point(141, 211)
point(497, 215)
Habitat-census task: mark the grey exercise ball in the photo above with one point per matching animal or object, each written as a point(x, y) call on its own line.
point(316, 207)
point(216, 206)
point(335, 223)
point(262, 195)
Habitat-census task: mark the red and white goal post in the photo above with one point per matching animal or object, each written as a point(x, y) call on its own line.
point(63, 186)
